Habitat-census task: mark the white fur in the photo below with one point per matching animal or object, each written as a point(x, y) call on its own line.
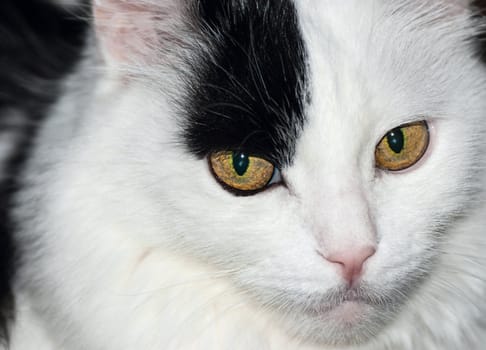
point(129, 243)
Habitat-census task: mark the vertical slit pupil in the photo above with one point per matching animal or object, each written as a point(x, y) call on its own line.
point(396, 140)
point(241, 162)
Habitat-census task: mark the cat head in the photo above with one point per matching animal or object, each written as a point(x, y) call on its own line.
point(315, 152)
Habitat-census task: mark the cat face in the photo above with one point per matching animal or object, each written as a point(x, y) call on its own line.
point(334, 246)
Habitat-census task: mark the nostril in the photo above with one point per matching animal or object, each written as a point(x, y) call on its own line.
point(351, 260)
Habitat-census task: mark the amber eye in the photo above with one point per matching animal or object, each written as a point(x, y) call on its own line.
point(241, 172)
point(402, 147)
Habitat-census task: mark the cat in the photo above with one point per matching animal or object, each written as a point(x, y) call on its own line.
point(262, 174)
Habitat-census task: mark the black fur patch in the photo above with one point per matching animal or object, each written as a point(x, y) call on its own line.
point(250, 92)
point(39, 44)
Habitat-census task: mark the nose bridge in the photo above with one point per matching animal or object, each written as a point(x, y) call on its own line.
point(345, 221)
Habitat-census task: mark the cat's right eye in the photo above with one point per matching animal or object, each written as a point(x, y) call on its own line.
point(242, 173)
point(402, 147)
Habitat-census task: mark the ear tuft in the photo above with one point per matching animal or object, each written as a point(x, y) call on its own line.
point(136, 31)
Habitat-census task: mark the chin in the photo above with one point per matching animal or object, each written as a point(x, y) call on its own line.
point(344, 319)
point(351, 323)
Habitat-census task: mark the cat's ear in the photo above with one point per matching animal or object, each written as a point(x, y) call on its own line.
point(447, 9)
point(463, 3)
point(459, 5)
point(136, 31)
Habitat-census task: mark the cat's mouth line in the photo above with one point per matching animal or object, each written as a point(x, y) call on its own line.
point(339, 297)
point(353, 295)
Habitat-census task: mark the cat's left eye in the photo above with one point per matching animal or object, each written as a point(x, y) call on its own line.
point(243, 173)
point(402, 147)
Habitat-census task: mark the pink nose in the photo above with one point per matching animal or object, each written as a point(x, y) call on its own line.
point(351, 261)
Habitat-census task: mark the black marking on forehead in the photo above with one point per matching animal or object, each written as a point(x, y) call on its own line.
point(250, 92)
